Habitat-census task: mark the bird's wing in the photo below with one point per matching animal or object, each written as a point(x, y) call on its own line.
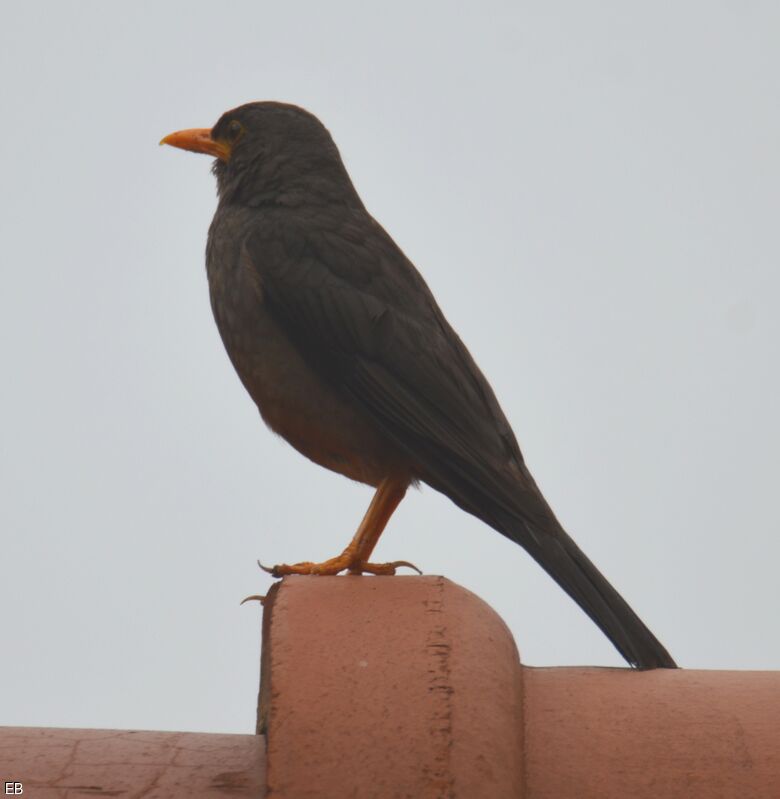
point(363, 317)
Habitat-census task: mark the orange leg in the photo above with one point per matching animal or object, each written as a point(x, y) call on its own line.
point(354, 558)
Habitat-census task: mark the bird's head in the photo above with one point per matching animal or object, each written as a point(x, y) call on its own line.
point(269, 152)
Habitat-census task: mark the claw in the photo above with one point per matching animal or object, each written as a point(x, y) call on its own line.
point(381, 569)
point(282, 569)
point(257, 597)
point(399, 563)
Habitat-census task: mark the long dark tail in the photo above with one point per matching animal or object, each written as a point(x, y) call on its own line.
point(568, 565)
point(513, 505)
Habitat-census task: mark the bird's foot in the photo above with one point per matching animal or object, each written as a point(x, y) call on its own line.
point(344, 562)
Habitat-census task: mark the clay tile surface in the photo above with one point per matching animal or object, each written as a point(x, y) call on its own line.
point(389, 687)
point(53, 763)
point(412, 688)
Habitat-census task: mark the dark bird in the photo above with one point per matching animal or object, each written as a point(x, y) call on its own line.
point(339, 341)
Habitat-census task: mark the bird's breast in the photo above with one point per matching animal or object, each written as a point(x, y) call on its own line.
point(294, 400)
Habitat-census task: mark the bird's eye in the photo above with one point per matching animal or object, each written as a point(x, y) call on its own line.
point(235, 129)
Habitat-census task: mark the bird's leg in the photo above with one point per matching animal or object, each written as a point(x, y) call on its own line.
point(387, 498)
point(354, 558)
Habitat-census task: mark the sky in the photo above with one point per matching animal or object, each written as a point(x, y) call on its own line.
point(590, 190)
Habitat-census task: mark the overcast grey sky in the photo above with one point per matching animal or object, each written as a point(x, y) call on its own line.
point(590, 189)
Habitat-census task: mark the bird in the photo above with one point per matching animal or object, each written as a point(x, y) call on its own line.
point(340, 343)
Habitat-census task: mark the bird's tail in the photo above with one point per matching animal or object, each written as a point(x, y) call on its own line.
point(516, 508)
point(512, 504)
point(568, 565)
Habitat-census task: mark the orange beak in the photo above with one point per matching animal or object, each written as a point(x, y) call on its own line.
point(198, 140)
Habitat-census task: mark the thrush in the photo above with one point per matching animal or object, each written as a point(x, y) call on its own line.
point(342, 346)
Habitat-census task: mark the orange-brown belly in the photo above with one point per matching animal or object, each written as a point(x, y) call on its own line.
point(308, 413)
